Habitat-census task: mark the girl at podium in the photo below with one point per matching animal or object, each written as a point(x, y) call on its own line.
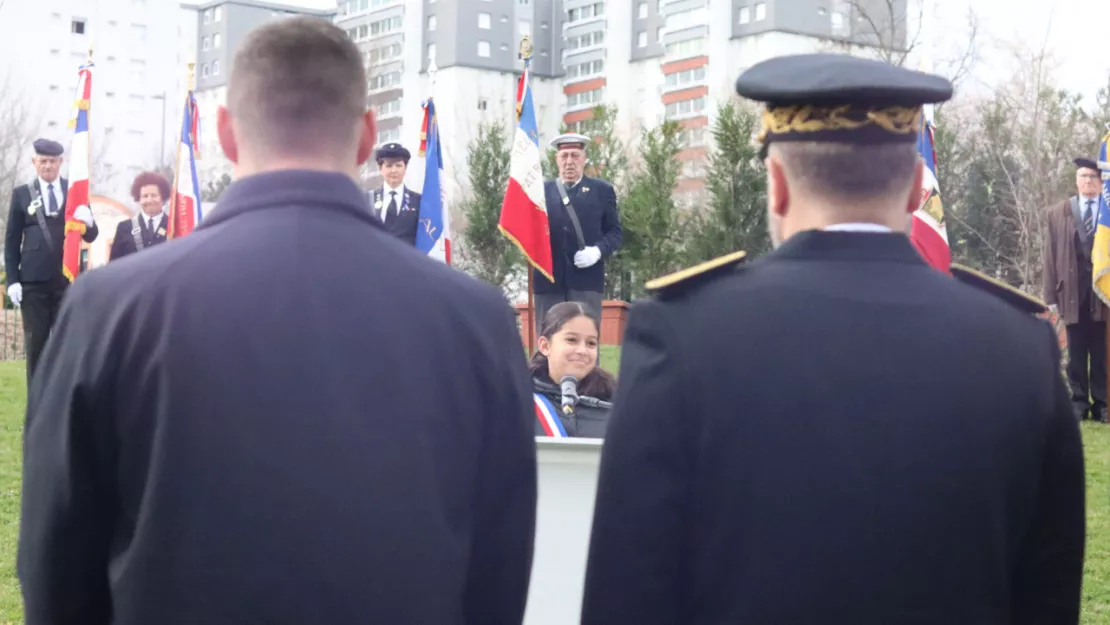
point(571, 393)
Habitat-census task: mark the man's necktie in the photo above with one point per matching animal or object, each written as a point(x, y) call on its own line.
point(1089, 220)
point(53, 207)
point(391, 211)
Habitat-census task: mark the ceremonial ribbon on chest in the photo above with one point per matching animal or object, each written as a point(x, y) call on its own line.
point(548, 418)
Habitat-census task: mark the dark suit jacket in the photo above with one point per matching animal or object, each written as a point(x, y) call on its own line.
point(243, 451)
point(27, 256)
point(124, 242)
point(1065, 246)
point(595, 203)
point(408, 214)
point(838, 434)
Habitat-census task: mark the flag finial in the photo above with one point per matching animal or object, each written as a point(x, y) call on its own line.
point(526, 48)
point(90, 54)
point(192, 75)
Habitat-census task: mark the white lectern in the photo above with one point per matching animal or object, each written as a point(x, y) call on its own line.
point(567, 485)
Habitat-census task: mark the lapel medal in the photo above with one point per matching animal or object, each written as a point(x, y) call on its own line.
point(161, 232)
point(35, 206)
point(585, 189)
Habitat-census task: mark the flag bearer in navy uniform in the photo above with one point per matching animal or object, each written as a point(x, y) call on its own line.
point(33, 246)
point(397, 206)
point(585, 230)
point(836, 432)
point(147, 227)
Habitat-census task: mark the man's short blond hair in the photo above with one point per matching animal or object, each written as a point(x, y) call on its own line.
point(297, 86)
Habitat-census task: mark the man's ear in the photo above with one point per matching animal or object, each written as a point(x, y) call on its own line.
point(225, 130)
point(367, 135)
point(778, 193)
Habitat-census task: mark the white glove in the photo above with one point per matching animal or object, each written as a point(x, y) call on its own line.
point(587, 257)
point(15, 293)
point(84, 214)
point(1053, 309)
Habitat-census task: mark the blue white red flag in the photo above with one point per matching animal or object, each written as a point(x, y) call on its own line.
point(1100, 254)
point(433, 236)
point(78, 193)
point(928, 233)
point(185, 208)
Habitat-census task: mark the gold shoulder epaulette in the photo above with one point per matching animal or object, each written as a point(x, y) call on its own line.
point(706, 269)
point(1015, 297)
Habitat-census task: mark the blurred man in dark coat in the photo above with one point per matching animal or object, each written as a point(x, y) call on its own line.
point(1068, 242)
point(209, 445)
point(395, 204)
point(34, 244)
point(836, 432)
point(585, 230)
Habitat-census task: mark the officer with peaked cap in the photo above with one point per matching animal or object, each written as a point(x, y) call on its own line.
point(396, 205)
point(585, 230)
point(1067, 250)
point(33, 246)
point(836, 433)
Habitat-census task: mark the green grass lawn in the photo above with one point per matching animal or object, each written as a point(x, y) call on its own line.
point(1096, 588)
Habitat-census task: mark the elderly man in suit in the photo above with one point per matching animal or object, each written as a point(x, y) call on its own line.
point(836, 432)
point(33, 247)
point(585, 230)
point(1069, 241)
point(395, 204)
point(361, 452)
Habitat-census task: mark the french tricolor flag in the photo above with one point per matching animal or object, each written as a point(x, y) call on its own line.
point(78, 193)
point(928, 233)
point(185, 209)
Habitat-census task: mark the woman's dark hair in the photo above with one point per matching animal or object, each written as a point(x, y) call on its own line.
point(148, 178)
point(597, 383)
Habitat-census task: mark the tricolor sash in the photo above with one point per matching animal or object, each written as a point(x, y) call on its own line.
point(548, 417)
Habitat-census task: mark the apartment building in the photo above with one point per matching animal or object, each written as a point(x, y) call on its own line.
point(220, 26)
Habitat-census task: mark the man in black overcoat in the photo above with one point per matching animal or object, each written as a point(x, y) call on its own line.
point(837, 433)
point(251, 424)
point(33, 246)
point(585, 230)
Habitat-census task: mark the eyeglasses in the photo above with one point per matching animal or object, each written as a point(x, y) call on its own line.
point(1089, 176)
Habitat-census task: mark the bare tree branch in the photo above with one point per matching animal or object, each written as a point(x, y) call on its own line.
point(19, 119)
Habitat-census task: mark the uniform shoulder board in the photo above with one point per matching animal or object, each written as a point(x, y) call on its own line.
point(1016, 298)
point(696, 274)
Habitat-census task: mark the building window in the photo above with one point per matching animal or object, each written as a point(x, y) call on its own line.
point(483, 104)
point(389, 135)
point(217, 14)
point(691, 138)
point(382, 27)
point(431, 53)
point(685, 77)
point(208, 16)
point(483, 21)
point(431, 23)
point(760, 11)
point(382, 54)
point(77, 27)
point(582, 70)
point(745, 15)
point(483, 49)
point(205, 43)
point(595, 38)
point(215, 68)
point(688, 18)
point(363, 32)
point(685, 108)
point(585, 98)
point(382, 81)
point(393, 107)
point(641, 39)
point(642, 10)
point(838, 23)
point(596, 9)
point(204, 71)
point(216, 40)
point(659, 34)
point(685, 49)
point(525, 27)
point(504, 19)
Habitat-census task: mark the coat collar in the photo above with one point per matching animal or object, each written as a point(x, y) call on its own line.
point(849, 246)
point(278, 189)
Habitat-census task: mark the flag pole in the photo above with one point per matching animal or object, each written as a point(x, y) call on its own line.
point(171, 230)
point(526, 56)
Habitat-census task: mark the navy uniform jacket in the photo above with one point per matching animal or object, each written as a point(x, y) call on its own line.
point(837, 434)
point(408, 215)
point(251, 444)
point(27, 256)
point(124, 242)
point(595, 203)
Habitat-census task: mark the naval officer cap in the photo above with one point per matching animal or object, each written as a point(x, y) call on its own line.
point(1016, 298)
point(46, 147)
point(393, 150)
point(839, 98)
point(570, 141)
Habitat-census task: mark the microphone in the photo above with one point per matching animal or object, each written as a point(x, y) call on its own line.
point(569, 388)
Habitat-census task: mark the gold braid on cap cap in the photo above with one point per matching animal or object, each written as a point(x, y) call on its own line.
point(788, 120)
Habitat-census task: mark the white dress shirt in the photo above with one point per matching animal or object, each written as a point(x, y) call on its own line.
point(153, 221)
point(44, 187)
point(400, 198)
point(857, 227)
